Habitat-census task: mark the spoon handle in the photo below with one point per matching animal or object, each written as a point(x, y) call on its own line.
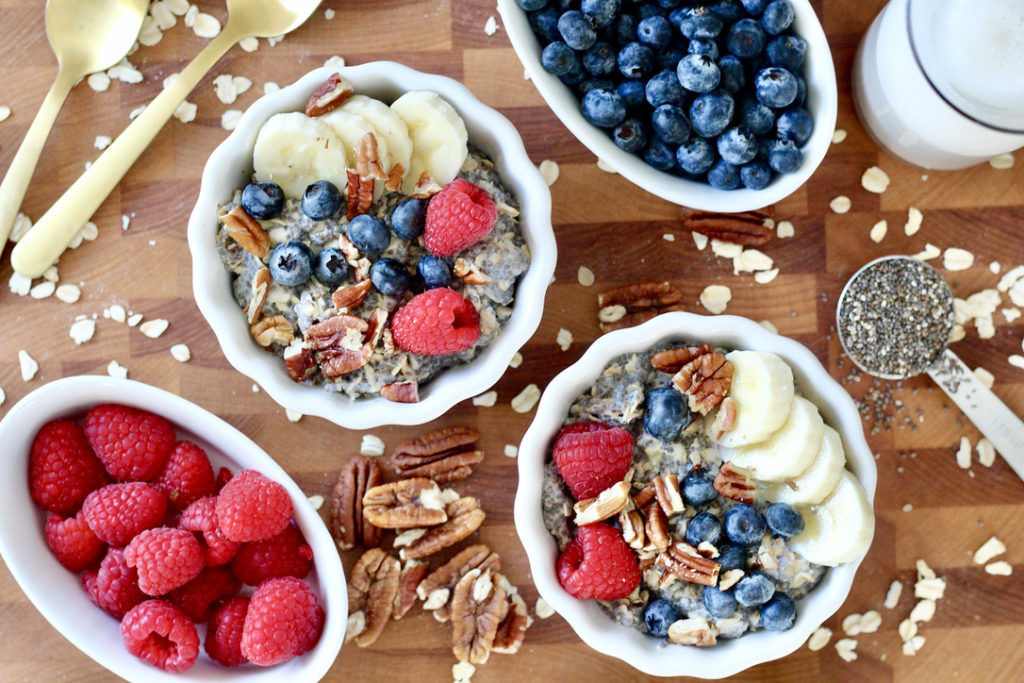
point(990, 415)
point(52, 233)
point(19, 173)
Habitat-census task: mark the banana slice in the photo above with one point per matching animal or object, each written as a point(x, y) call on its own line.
point(391, 129)
point(351, 128)
point(762, 387)
point(294, 151)
point(788, 452)
point(840, 529)
point(438, 135)
point(820, 479)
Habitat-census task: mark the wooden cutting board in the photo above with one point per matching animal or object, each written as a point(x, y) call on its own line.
point(927, 506)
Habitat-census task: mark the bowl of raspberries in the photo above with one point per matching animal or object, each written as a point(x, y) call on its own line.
point(156, 553)
point(724, 105)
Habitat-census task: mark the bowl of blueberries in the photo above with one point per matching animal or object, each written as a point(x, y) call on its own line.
point(724, 105)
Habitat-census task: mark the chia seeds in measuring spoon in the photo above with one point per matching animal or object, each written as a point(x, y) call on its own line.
point(895, 317)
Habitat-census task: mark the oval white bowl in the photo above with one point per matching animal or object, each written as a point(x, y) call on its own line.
point(591, 623)
point(58, 594)
point(230, 168)
point(822, 102)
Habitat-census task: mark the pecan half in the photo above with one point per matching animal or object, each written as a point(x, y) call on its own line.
point(683, 561)
point(638, 303)
point(360, 194)
point(631, 522)
point(693, 631)
point(464, 517)
point(368, 158)
point(725, 418)
point(371, 591)
point(657, 528)
point(478, 607)
point(444, 455)
point(274, 329)
point(247, 231)
point(436, 589)
point(748, 228)
point(734, 483)
point(401, 392)
point(644, 496)
point(673, 360)
point(348, 298)
point(405, 504)
point(260, 287)
point(608, 503)
point(705, 380)
point(412, 573)
point(469, 273)
point(426, 187)
point(348, 524)
point(331, 94)
point(512, 630)
point(666, 490)
point(298, 360)
point(338, 344)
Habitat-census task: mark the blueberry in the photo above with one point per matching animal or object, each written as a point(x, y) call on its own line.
point(263, 200)
point(669, 4)
point(795, 125)
point(729, 10)
point(531, 5)
point(596, 83)
point(369, 235)
point(703, 527)
point(732, 557)
point(576, 30)
point(801, 91)
point(779, 613)
point(777, 17)
point(623, 29)
point(434, 272)
point(724, 176)
point(650, 10)
point(720, 604)
point(670, 124)
point(630, 136)
point(321, 200)
point(331, 267)
point(711, 113)
point(408, 218)
point(558, 58)
point(659, 615)
point(654, 31)
point(659, 155)
point(664, 88)
point(745, 39)
point(636, 60)
point(291, 263)
point(390, 277)
point(737, 146)
point(703, 46)
point(698, 73)
point(600, 59)
point(787, 52)
point(695, 155)
point(675, 17)
point(756, 117)
point(784, 520)
point(666, 414)
point(756, 175)
point(754, 7)
point(754, 589)
point(733, 79)
point(600, 12)
point(744, 525)
point(574, 77)
point(784, 157)
point(545, 23)
point(700, 22)
point(632, 93)
point(668, 57)
point(775, 87)
point(603, 108)
point(698, 488)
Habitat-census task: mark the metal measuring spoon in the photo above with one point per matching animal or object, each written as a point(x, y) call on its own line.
point(86, 37)
point(909, 330)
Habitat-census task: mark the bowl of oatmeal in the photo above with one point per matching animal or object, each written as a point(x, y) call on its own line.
point(372, 245)
point(725, 477)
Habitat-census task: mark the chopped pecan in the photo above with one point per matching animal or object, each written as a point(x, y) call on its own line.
point(464, 517)
point(298, 360)
point(725, 418)
point(673, 360)
point(360, 194)
point(644, 496)
point(443, 455)
point(338, 344)
point(375, 327)
point(729, 579)
point(469, 273)
point(405, 504)
point(693, 631)
point(371, 591)
point(426, 187)
point(705, 380)
point(331, 94)
point(274, 329)
point(401, 392)
point(748, 228)
point(368, 158)
point(478, 607)
point(395, 176)
point(683, 561)
point(666, 489)
point(638, 302)
point(657, 528)
point(412, 573)
point(247, 231)
point(631, 522)
point(348, 298)
point(608, 503)
point(348, 524)
point(512, 630)
point(734, 483)
point(436, 589)
point(260, 287)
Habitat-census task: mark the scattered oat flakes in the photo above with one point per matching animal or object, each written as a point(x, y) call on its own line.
point(914, 219)
point(840, 204)
point(230, 118)
point(69, 294)
point(923, 571)
point(930, 251)
point(958, 333)
point(770, 326)
point(186, 112)
point(724, 249)
point(255, 388)
point(328, 14)
point(907, 629)
point(516, 361)
point(250, 44)
point(274, 40)
point(986, 452)
point(99, 81)
point(125, 72)
point(785, 229)
point(181, 353)
point(911, 647)
point(42, 290)
point(851, 624)
point(585, 276)
point(1000, 568)
point(984, 376)
point(511, 451)
point(491, 26)
point(878, 231)
point(486, 399)
point(875, 180)
point(765, 276)
point(668, 237)
point(700, 240)
point(819, 639)
point(336, 61)
point(3, 397)
point(892, 596)
point(88, 233)
point(838, 136)
point(22, 224)
point(1001, 162)
point(542, 609)
point(995, 267)
point(134, 113)
point(957, 259)
point(549, 170)
point(150, 34)
point(206, 25)
point(993, 547)
point(963, 455)
point(20, 284)
point(611, 314)
point(190, 16)
point(51, 274)
point(154, 328)
point(846, 649)
point(751, 260)
point(715, 298)
point(316, 501)
point(870, 621)
point(1011, 314)
point(923, 611)
point(462, 672)
point(603, 165)
point(931, 589)
point(526, 399)
point(29, 367)
point(907, 507)
point(115, 313)
point(270, 87)
point(292, 415)
point(1016, 360)
point(102, 142)
point(371, 445)
point(82, 330)
point(563, 339)
point(116, 370)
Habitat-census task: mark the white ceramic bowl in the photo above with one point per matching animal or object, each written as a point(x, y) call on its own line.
point(58, 594)
point(230, 168)
point(822, 102)
point(593, 625)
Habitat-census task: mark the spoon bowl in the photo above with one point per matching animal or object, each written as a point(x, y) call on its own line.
point(92, 36)
point(266, 18)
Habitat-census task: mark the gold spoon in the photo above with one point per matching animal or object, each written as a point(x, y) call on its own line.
point(86, 36)
point(50, 236)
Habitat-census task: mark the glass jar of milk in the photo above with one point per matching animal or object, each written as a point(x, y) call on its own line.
point(940, 83)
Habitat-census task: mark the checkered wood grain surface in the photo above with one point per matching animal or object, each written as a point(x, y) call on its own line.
point(601, 222)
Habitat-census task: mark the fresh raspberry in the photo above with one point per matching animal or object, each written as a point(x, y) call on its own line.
point(598, 564)
point(591, 456)
point(223, 476)
point(118, 512)
point(251, 507)
point(458, 216)
point(187, 476)
point(197, 597)
point(72, 542)
point(284, 620)
point(224, 632)
point(160, 634)
point(165, 559)
point(201, 516)
point(114, 587)
point(435, 323)
point(132, 444)
point(286, 554)
point(62, 469)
